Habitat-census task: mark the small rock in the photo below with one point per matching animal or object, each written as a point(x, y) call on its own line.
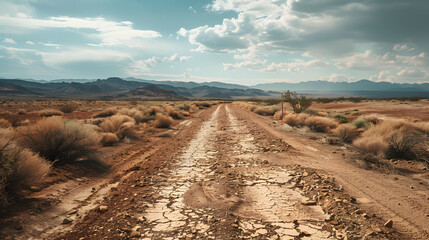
point(376, 230)
point(412, 187)
point(35, 189)
point(102, 208)
point(389, 224)
point(67, 220)
point(365, 215)
point(308, 203)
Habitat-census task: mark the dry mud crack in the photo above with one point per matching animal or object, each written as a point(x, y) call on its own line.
point(219, 174)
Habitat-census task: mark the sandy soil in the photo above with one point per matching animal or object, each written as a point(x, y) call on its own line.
point(412, 110)
point(227, 174)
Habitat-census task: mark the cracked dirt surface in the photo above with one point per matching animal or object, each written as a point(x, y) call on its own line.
point(222, 175)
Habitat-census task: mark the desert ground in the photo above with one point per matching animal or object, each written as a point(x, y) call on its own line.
point(224, 170)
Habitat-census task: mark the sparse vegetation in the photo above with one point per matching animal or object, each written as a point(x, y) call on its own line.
point(19, 167)
point(265, 110)
point(346, 132)
point(298, 103)
point(65, 141)
point(173, 113)
point(341, 119)
point(120, 125)
point(107, 112)
point(295, 120)
point(109, 139)
point(320, 124)
point(68, 108)
point(50, 113)
point(163, 121)
point(361, 123)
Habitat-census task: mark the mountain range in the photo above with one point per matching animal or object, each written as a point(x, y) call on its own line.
point(115, 87)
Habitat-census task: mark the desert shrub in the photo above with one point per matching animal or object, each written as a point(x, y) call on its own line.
point(68, 108)
point(402, 145)
point(22, 111)
point(163, 121)
point(4, 123)
point(107, 112)
point(298, 103)
point(361, 123)
point(153, 110)
point(311, 112)
point(185, 107)
point(202, 105)
point(173, 113)
point(370, 118)
point(120, 125)
point(341, 119)
point(295, 120)
point(374, 145)
point(19, 167)
point(50, 112)
point(62, 140)
point(265, 111)
point(394, 138)
point(320, 124)
point(278, 115)
point(346, 132)
point(108, 139)
point(136, 114)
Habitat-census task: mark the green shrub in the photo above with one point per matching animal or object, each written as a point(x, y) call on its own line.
point(298, 103)
point(360, 123)
point(341, 119)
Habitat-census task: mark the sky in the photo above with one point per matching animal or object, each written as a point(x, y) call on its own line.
point(235, 41)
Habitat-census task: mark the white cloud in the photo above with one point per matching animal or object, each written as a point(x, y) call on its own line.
point(29, 42)
point(9, 40)
point(296, 66)
point(192, 9)
point(412, 73)
point(337, 77)
point(402, 47)
point(110, 33)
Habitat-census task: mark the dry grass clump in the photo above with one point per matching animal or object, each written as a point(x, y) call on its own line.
point(265, 110)
point(370, 118)
point(320, 124)
point(202, 105)
point(153, 110)
point(68, 108)
point(50, 113)
point(173, 113)
point(295, 120)
point(4, 123)
point(107, 112)
point(361, 123)
point(20, 167)
point(62, 140)
point(346, 132)
point(138, 115)
point(163, 121)
point(109, 139)
point(373, 145)
point(395, 139)
point(22, 111)
point(184, 107)
point(120, 125)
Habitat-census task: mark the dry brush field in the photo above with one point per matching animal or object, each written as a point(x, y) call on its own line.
point(214, 170)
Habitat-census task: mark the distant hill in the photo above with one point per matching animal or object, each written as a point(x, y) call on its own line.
point(362, 85)
point(153, 91)
point(115, 87)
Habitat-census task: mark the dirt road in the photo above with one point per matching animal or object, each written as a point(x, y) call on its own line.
point(231, 174)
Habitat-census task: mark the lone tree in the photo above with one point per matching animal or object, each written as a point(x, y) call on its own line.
point(298, 103)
